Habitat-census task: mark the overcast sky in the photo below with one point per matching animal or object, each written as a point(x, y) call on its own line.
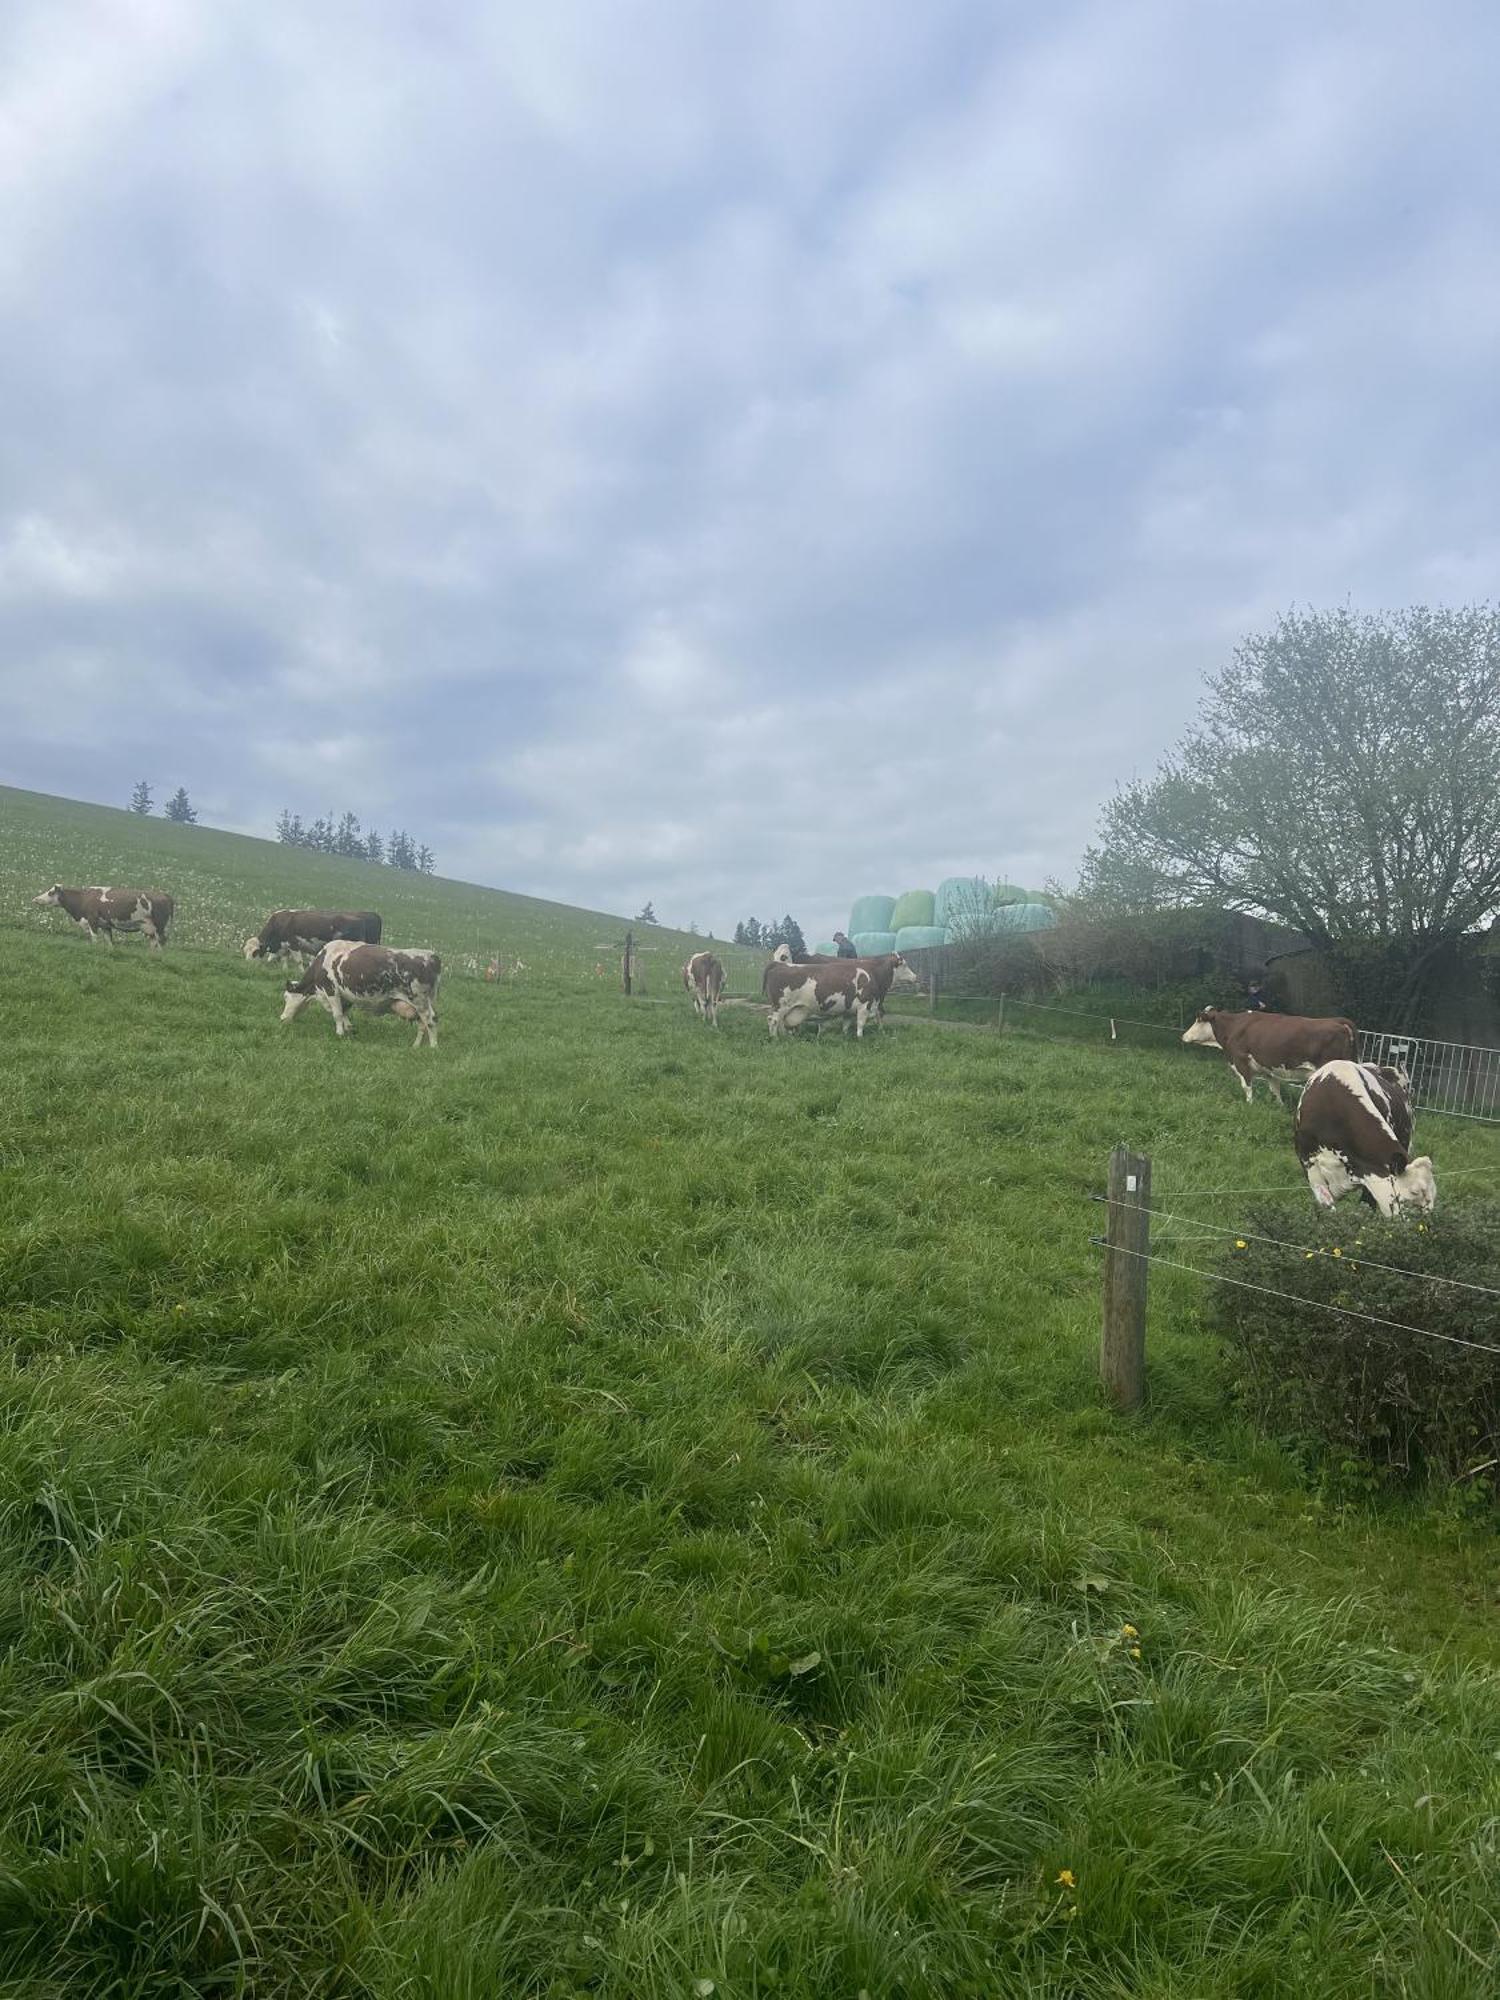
point(740, 456)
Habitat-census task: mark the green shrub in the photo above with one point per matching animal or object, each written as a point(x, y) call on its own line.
point(1372, 1402)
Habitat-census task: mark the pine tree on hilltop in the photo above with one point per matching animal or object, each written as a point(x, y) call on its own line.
point(647, 916)
point(347, 839)
point(426, 865)
point(791, 936)
point(140, 799)
point(739, 934)
point(374, 846)
point(399, 852)
point(180, 810)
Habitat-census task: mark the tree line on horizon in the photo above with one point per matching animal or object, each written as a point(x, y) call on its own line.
point(767, 937)
point(326, 835)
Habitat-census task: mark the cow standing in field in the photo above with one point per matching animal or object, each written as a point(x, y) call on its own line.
point(345, 974)
point(1257, 1045)
point(102, 912)
point(852, 988)
point(307, 931)
point(703, 976)
point(1353, 1130)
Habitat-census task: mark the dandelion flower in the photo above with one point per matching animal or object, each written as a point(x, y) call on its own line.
point(1240, 1244)
point(1129, 1632)
point(1135, 1652)
point(1336, 1251)
point(1067, 1879)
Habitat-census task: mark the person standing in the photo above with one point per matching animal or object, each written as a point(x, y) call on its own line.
point(843, 946)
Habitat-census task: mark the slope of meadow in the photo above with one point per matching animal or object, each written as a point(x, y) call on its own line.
point(608, 1507)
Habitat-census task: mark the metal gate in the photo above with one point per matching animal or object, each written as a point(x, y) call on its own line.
point(1445, 1076)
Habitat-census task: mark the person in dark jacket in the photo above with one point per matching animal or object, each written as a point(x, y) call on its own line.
point(1257, 1003)
point(843, 947)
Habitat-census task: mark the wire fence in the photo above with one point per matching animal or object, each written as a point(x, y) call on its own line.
point(1460, 1078)
point(1206, 1231)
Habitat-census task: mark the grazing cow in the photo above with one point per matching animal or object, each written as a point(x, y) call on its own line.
point(854, 988)
point(703, 976)
point(307, 931)
point(1353, 1130)
point(105, 911)
point(346, 974)
point(1258, 1045)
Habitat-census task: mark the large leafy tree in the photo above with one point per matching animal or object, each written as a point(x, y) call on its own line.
point(1343, 777)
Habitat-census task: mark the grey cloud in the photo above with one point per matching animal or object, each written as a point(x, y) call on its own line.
point(740, 459)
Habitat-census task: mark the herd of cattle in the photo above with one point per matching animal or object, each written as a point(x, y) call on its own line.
point(1353, 1123)
point(347, 965)
point(813, 986)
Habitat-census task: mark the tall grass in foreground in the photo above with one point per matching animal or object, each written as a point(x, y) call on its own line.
point(611, 1507)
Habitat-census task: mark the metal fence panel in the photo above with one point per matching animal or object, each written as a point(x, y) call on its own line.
point(1444, 1076)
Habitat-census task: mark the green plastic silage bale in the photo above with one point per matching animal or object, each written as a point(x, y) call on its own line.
point(871, 913)
point(916, 906)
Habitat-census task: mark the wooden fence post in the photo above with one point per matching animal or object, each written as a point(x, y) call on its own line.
point(1127, 1237)
point(933, 978)
point(1000, 1021)
point(629, 952)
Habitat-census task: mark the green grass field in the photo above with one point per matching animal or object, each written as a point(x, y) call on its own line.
point(611, 1508)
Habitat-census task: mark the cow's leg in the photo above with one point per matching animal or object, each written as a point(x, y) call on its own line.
point(1273, 1083)
point(342, 1025)
point(427, 1025)
point(1244, 1074)
point(860, 1013)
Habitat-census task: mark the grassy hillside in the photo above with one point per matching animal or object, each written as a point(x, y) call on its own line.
point(225, 884)
point(610, 1507)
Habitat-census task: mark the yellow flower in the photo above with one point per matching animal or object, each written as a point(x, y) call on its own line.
point(1336, 1251)
point(1240, 1244)
point(1067, 1878)
point(1129, 1632)
point(1309, 1254)
point(1135, 1652)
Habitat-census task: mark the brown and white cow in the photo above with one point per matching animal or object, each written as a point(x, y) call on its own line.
point(1258, 1045)
point(102, 912)
point(703, 976)
point(345, 974)
point(854, 988)
point(306, 931)
point(1353, 1130)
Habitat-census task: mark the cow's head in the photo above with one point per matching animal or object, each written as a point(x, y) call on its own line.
point(1202, 1034)
point(295, 996)
point(253, 947)
point(49, 897)
point(903, 979)
point(1416, 1189)
point(782, 955)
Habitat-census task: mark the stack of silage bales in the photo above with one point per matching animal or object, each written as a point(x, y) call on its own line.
point(964, 907)
point(913, 922)
point(870, 925)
